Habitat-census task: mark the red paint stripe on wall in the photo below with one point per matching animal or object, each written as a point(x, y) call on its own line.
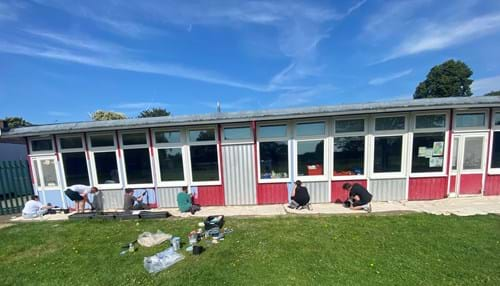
point(492, 187)
point(453, 181)
point(338, 194)
point(470, 184)
point(210, 196)
point(427, 188)
point(272, 193)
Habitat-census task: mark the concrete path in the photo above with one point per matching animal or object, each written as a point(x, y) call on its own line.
point(464, 206)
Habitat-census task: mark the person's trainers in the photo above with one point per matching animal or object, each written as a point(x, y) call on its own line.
point(369, 208)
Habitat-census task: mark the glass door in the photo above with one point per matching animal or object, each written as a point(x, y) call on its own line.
point(468, 164)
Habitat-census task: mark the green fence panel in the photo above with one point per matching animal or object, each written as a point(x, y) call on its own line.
point(15, 186)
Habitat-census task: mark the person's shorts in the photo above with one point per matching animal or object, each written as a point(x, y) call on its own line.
point(72, 195)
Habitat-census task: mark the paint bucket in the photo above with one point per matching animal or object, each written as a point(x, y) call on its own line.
point(176, 243)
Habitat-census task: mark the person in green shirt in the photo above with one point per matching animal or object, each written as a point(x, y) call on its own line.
point(184, 201)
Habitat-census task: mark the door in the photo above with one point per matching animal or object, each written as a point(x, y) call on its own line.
point(467, 164)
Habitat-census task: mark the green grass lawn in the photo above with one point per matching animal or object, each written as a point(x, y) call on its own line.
point(410, 249)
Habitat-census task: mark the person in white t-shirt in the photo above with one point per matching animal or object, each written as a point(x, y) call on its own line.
point(34, 208)
point(79, 194)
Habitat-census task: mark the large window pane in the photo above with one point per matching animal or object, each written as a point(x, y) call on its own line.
point(41, 145)
point(390, 123)
point(171, 164)
point(102, 140)
point(272, 131)
point(454, 155)
point(204, 163)
point(470, 120)
point(237, 133)
point(497, 118)
point(106, 168)
point(428, 152)
point(75, 168)
point(473, 153)
point(349, 156)
point(49, 173)
point(349, 125)
point(310, 158)
point(134, 139)
point(310, 129)
point(137, 166)
point(168, 137)
point(495, 152)
point(430, 121)
point(71, 142)
point(202, 135)
point(37, 174)
point(273, 160)
point(388, 154)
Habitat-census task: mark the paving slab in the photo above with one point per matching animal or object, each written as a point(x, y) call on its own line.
point(463, 206)
point(377, 207)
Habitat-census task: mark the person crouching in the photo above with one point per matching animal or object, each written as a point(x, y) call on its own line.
point(300, 197)
point(359, 196)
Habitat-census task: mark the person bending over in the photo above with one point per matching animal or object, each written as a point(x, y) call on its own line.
point(185, 202)
point(300, 196)
point(34, 208)
point(79, 195)
point(359, 196)
point(132, 202)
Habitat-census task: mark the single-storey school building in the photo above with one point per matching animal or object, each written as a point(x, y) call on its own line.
point(401, 150)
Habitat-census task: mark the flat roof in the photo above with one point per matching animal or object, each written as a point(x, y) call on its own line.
point(261, 115)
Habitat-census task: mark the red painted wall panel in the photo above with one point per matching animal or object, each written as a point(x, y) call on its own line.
point(492, 187)
point(470, 184)
point(427, 188)
point(453, 180)
point(339, 195)
point(210, 196)
point(272, 193)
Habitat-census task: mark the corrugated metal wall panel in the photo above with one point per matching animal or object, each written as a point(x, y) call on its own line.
point(318, 191)
point(492, 187)
point(167, 197)
point(112, 199)
point(239, 175)
point(388, 189)
point(427, 188)
point(470, 184)
point(276, 193)
point(210, 196)
point(339, 195)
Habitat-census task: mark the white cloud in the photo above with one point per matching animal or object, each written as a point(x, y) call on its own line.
point(384, 79)
point(485, 85)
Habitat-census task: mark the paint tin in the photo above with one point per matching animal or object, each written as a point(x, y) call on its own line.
point(176, 243)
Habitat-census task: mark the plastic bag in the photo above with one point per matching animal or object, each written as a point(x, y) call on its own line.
point(149, 239)
point(162, 260)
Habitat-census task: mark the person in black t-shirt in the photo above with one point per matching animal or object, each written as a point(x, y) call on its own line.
point(359, 196)
point(300, 196)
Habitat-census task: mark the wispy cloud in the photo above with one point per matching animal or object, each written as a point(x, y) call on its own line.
point(484, 85)
point(387, 78)
point(139, 105)
point(437, 36)
point(302, 96)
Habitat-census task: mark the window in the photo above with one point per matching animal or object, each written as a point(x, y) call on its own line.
point(136, 158)
point(102, 140)
point(170, 161)
point(495, 152)
point(348, 156)
point(430, 121)
point(390, 123)
point(237, 133)
point(39, 145)
point(497, 118)
point(273, 159)
point(387, 156)
point(428, 152)
point(467, 120)
point(310, 129)
point(45, 173)
point(168, 136)
point(204, 163)
point(350, 125)
point(74, 161)
point(71, 142)
point(473, 153)
point(310, 157)
point(104, 160)
point(454, 155)
point(201, 135)
point(272, 131)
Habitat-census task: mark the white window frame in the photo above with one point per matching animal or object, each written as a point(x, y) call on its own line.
point(137, 146)
point(297, 138)
point(462, 137)
point(48, 152)
point(414, 130)
point(93, 150)
point(38, 177)
point(236, 141)
point(72, 150)
point(203, 143)
point(287, 138)
point(491, 132)
point(389, 133)
point(470, 129)
point(159, 146)
point(363, 134)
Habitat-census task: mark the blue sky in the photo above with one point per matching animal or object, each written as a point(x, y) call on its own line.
point(61, 60)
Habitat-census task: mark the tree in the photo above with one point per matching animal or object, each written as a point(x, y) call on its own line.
point(101, 115)
point(154, 112)
point(14, 122)
point(451, 78)
point(493, 93)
